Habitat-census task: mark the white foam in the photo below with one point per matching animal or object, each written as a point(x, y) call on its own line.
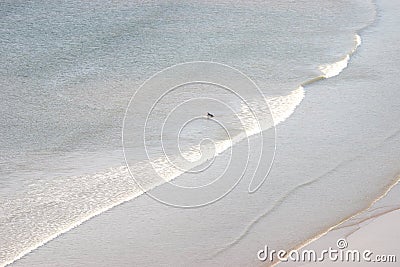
point(60, 198)
point(282, 107)
point(334, 69)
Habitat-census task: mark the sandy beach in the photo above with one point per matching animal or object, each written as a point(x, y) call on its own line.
point(108, 156)
point(374, 230)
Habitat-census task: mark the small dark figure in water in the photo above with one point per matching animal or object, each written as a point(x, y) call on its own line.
point(209, 115)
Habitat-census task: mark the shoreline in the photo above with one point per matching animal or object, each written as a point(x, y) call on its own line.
point(354, 229)
point(351, 225)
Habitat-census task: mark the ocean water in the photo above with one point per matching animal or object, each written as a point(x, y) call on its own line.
point(68, 71)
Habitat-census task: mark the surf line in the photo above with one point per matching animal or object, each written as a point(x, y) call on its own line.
point(334, 69)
